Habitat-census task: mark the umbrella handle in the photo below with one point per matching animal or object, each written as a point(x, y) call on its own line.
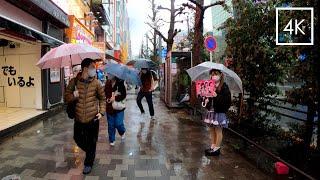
point(203, 104)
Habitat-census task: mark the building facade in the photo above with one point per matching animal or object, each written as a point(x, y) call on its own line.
point(121, 30)
point(219, 17)
point(28, 29)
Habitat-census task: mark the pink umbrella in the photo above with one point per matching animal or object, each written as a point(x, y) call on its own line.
point(69, 55)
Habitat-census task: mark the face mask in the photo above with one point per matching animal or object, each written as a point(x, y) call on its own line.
point(92, 72)
point(144, 71)
point(216, 78)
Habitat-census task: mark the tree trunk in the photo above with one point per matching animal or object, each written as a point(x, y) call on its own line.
point(171, 30)
point(198, 35)
point(197, 45)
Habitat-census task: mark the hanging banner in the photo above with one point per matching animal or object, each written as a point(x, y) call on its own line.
point(79, 33)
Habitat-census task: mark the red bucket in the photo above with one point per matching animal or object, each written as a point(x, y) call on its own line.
point(281, 168)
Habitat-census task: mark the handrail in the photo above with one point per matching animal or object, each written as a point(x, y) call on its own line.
point(270, 154)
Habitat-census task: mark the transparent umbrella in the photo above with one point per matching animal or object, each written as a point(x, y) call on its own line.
point(201, 72)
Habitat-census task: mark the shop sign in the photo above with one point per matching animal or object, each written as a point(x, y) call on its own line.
point(80, 34)
point(11, 72)
point(55, 75)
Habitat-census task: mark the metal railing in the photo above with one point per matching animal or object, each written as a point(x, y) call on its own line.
point(197, 111)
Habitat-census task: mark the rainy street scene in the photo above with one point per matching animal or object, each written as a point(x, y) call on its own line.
point(159, 89)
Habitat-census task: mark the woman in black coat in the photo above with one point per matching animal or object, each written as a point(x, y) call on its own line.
point(217, 107)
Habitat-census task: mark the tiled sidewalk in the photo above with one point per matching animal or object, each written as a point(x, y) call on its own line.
point(166, 148)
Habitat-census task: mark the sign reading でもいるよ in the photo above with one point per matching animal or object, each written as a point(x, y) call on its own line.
point(205, 88)
point(11, 72)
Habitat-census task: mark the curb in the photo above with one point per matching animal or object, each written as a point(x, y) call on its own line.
point(14, 130)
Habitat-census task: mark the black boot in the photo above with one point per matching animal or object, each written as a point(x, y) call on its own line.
point(212, 152)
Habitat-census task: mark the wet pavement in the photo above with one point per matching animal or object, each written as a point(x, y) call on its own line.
point(166, 148)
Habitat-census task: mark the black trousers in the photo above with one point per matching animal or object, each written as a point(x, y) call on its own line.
point(148, 96)
point(86, 137)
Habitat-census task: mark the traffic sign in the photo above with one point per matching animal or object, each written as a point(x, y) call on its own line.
point(210, 43)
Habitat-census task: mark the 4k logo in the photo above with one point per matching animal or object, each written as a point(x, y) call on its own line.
point(297, 27)
point(294, 26)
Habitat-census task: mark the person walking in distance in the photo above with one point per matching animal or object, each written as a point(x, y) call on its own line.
point(90, 107)
point(148, 79)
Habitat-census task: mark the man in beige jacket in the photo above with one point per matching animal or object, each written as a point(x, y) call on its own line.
point(87, 91)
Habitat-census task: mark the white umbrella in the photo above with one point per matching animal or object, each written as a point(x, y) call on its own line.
point(201, 72)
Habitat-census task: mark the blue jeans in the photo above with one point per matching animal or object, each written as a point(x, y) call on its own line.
point(115, 121)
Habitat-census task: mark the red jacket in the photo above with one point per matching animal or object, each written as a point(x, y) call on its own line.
point(108, 89)
point(146, 80)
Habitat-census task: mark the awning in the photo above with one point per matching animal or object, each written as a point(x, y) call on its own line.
point(44, 10)
point(7, 24)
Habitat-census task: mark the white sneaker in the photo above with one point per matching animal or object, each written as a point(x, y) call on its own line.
point(123, 137)
point(112, 144)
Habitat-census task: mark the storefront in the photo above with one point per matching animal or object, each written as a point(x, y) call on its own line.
point(24, 38)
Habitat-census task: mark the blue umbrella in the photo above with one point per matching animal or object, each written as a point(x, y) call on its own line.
point(143, 63)
point(131, 76)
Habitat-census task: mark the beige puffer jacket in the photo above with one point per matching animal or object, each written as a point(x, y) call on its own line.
point(91, 99)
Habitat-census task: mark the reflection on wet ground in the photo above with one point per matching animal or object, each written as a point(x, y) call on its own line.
point(167, 148)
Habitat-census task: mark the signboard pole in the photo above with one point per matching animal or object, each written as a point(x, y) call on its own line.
point(211, 56)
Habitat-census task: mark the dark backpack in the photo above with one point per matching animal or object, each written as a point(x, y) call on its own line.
point(71, 106)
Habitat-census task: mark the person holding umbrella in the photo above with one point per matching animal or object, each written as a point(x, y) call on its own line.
point(115, 91)
point(226, 81)
point(90, 107)
point(148, 79)
point(217, 107)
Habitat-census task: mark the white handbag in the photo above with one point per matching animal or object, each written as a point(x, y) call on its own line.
point(118, 105)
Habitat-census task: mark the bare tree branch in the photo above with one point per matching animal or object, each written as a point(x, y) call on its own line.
point(196, 3)
point(189, 6)
point(150, 17)
point(158, 32)
point(214, 4)
point(163, 8)
point(176, 32)
point(179, 12)
point(170, 22)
